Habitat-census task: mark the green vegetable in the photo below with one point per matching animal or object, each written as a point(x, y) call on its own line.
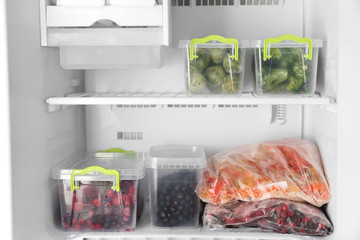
point(197, 83)
point(230, 62)
point(199, 64)
point(215, 88)
point(231, 84)
point(294, 84)
point(272, 78)
point(298, 70)
point(275, 53)
point(217, 54)
point(215, 75)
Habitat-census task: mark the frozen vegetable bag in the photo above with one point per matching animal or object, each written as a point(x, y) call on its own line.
point(99, 191)
point(287, 168)
point(215, 65)
point(277, 215)
point(286, 65)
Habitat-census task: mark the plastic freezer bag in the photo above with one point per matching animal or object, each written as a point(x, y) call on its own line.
point(289, 169)
point(278, 215)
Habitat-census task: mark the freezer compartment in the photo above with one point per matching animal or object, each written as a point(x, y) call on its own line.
point(173, 174)
point(99, 192)
point(214, 65)
point(288, 67)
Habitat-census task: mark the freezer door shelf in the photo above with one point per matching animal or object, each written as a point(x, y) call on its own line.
point(144, 231)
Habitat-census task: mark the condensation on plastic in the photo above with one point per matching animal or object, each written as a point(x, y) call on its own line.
point(214, 71)
point(277, 215)
point(288, 168)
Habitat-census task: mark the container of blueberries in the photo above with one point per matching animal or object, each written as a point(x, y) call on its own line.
point(173, 173)
point(99, 191)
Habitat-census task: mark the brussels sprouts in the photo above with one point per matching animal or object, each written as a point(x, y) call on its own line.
point(217, 54)
point(235, 65)
point(215, 75)
point(199, 64)
point(231, 84)
point(197, 83)
point(215, 88)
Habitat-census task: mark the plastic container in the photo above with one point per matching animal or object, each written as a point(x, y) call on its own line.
point(99, 192)
point(288, 66)
point(82, 3)
point(173, 173)
point(214, 65)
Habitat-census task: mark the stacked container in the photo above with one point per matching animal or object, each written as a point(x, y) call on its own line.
point(173, 174)
point(286, 65)
point(215, 65)
point(100, 191)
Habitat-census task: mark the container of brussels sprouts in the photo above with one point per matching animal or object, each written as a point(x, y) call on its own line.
point(286, 65)
point(214, 65)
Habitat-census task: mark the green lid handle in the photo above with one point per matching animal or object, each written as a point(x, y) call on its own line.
point(110, 172)
point(308, 41)
point(118, 150)
point(213, 38)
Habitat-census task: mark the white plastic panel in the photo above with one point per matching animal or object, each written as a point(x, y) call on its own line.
point(86, 16)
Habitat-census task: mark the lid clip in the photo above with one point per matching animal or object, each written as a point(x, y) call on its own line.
point(77, 172)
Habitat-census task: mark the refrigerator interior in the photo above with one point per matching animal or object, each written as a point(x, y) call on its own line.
point(43, 135)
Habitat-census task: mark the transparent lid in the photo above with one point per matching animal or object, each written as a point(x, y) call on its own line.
point(182, 157)
point(317, 43)
point(213, 44)
point(129, 165)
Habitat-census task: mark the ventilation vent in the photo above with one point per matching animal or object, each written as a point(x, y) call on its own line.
point(199, 3)
point(236, 106)
point(130, 136)
point(136, 106)
point(187, 106)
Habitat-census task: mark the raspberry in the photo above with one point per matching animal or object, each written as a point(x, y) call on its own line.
point(116, 201)
point(127, 203)
point(78, 227)
point(110, 193)
point(74, 221)
point(127, 212)
point(89, 223)
point(81, 221)
point(96, 202)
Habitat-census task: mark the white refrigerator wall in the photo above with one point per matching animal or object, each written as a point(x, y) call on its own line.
point(38, 139)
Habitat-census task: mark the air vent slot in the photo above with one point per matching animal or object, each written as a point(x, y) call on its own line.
point(130, 136)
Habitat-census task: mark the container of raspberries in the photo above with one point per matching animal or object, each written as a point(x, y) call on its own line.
point(173, 173)
point(286, 65)
point(214, 65)
point(99, 192)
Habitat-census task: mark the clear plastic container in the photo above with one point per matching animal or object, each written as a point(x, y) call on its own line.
point(99, 192)
point(290, 70)
point(214, 65)
point(173, 173)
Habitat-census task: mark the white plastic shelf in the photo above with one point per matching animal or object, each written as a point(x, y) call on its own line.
point(180, 98)
point(144, 231)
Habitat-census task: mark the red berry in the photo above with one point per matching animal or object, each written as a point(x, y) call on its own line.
point(125, 197)
point(127, 230)
point(96, 202)
point(280, 221)
point(127, 212)
point(66, 226)
point(78, 206)
point(110, 193)
point(98, 226)
point(283, 215)
point(132, 189)
point(320, 227)
point(92, 226)
point(307, 219)
point(81, 221)
point(126, 218)
point(302, 230)
point(91, 213)
point(290, 213)
point(89, 223)
point(293, 224)
point(116, 201)
point(300, 220)
point(284, 207)
point(74, 221)
point(127, 203)
point(246, 219)
point(78, 227)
